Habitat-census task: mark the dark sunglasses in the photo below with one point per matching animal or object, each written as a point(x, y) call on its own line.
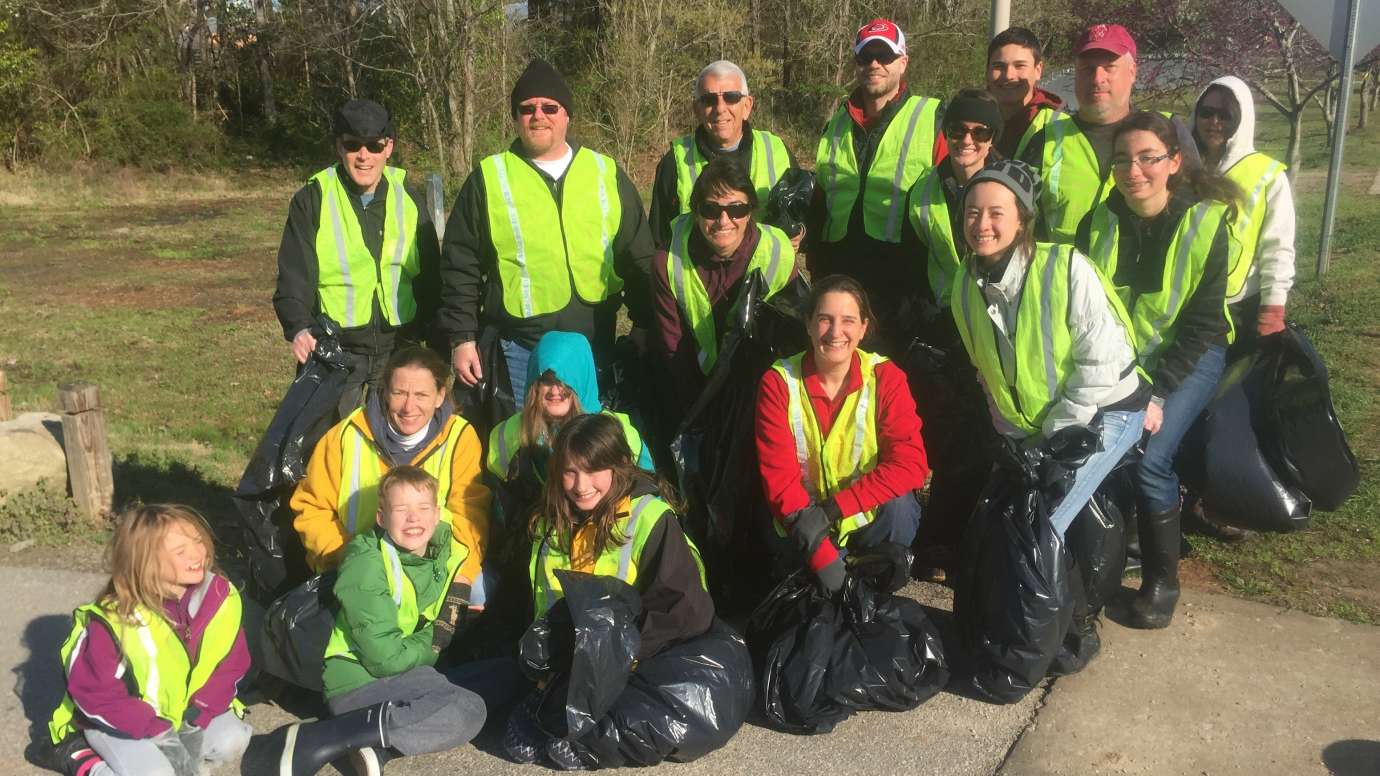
point(549, 108)
point(1206, 112)
point(735, 210)
point(711, 99)
point(884, 56)
point(980, 134)
point(375, 146)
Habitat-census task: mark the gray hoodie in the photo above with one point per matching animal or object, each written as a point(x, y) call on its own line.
point(1272, 272)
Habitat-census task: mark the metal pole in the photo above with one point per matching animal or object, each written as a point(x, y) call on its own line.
point(1001, 17)
point(1339, 124)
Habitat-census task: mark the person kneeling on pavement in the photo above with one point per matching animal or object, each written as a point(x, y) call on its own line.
point(838, 440)
point(402, 598)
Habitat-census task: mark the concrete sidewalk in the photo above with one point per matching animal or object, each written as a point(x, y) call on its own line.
point(1232, 687)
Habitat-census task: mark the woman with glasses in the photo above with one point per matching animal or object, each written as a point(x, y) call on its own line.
point(1163, 239)
point(948, 397)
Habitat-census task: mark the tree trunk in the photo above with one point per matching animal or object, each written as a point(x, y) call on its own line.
point(844, 42)
point(755, 26)
point(1361, 98)
point(262, 54)
point(1293, 155)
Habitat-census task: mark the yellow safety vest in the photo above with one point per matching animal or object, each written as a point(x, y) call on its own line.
point(930, 217)
point(774, 258)
point(769, 162)
point(830, 464)
point(1072, 179)
point(1254, 173)
point(505, 440)
point(153, 654)
point(1039, 122)
point(362, 466)
point(904, 154)
point(544, 248)
point(349, 279)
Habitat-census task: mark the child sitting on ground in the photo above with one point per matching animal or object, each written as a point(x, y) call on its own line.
point(402, 597)
point(152, 665)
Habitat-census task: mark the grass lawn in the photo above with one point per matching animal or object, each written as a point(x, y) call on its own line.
point(158, 289)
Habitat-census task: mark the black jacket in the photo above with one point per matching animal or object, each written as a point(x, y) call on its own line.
point(471, 292)
point(295, 298)
point(1141, 249)
point(666, 204)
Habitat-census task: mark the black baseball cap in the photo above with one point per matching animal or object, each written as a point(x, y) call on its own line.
point(365, 119)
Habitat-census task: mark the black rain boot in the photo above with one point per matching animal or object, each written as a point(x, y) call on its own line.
point(303, 748)
point(1153, 606)
point(1132, 531)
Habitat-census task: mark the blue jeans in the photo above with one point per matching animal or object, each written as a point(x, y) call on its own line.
point(1155, 479)
point(1120, 432)
point(517, 357)
point(895, 521)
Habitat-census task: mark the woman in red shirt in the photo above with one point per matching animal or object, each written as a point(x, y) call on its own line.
point(838, 439)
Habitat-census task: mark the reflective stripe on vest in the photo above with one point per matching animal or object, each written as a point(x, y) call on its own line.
point(1253, 174)
point(542, 248)
point(348, 277)
point(929, 215)
point(505, 441)
point(1153, 315)
point(1073, 183)
point(404, 594)
point(831, 464)
point(773, 257)
point(904, 154)
point(362, 466)
point(769, 162)
point(620, 561)
point(1039, 122)
point(154, 655)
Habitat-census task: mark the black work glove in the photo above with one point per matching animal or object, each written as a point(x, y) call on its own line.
point(452, 615)
point(809, 528)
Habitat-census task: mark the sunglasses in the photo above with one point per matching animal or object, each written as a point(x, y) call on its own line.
point(883, 56)
point(375, 146)
point(712, 210)
point(980, 134)
point(711, 99)
point(1206, 112)
point(549, 108)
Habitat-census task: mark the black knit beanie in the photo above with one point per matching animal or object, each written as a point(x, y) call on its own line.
point(540, 79)
point(978, 106)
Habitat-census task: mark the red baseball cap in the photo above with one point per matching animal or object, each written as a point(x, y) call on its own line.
point(884, 30)
point(1106, 37)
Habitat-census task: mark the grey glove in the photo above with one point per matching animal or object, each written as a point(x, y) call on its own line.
point(451, 617)
point(809, 528)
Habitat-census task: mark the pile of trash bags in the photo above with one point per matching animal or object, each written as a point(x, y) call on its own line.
point(819, 659)
point(1269, 448)
point(297, 628)
point(680, 704)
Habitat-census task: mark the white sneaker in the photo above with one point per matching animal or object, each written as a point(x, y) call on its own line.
point(365, 762)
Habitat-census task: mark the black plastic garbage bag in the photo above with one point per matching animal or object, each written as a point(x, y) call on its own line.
point(818, 660)
point(297, 629)
point(1096, 542)
point(490, 401)
point(274, 554)
point(1012, 601)
point(788, 202)
point(1298, 426)
point(685, 701)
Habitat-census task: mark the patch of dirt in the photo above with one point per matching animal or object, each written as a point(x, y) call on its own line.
point(77, 556)
point(1195, 574)
point(1355, 580)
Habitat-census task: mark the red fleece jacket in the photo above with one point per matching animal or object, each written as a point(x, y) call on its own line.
point(902, 465)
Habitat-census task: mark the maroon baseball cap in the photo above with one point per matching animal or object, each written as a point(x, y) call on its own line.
point(1106, 37)
point(884, 30)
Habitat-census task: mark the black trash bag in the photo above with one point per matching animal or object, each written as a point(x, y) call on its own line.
point(684, 702)
point(1221, 460)
point(1096, 542)
point(1298, 427)
point(490, 401)
point(275, 558)
point(788, 202)
point(1012, 602)
point(818, 660)
point(297, 628)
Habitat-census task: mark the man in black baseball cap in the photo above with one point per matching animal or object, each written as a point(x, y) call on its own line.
point(360, 249)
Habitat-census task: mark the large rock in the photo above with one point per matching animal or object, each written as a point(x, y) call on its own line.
point(31, 450)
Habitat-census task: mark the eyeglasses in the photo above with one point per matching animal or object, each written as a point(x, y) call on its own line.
point(711, 211)
point(980, 134)
point(883, 56)
point(1206, 112)
point(351, 145)
point(549, 108)
point(1144, 162)
point(711, 99)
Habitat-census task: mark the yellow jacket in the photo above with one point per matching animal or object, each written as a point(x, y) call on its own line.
point(321, 521)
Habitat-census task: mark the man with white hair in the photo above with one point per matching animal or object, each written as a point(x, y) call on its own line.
point(722, 107)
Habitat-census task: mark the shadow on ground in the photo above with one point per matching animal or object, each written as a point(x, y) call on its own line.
point(1352, 757)
point(38, 681)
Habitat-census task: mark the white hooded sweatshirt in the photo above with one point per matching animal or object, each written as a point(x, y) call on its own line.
point(1272, 272)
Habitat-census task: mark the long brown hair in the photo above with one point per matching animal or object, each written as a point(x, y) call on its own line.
point(1201, 182)
point(135, 554)
point(594, 443)
point(537, 428)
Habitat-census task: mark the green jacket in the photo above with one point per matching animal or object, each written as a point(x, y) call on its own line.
point(371, 617)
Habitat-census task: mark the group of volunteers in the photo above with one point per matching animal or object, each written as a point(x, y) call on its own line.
point(1086, 268)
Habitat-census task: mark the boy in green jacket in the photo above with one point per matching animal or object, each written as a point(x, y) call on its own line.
point(401, 598)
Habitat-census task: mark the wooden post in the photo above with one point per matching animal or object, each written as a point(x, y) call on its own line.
point(6, 411)
point(88, 454)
